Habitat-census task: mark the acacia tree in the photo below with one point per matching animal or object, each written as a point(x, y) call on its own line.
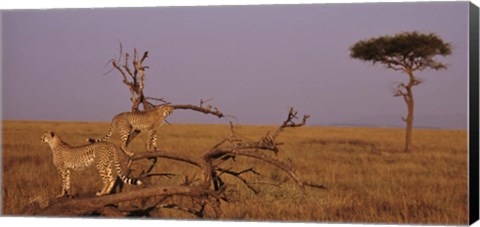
point(406, 52)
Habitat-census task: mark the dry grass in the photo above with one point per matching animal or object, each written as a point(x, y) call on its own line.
point(370, 179)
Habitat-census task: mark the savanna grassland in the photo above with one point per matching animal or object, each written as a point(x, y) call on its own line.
point(369, 177)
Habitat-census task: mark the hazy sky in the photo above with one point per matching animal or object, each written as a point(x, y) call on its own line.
point(254, 61)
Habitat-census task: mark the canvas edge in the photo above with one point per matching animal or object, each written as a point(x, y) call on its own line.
point(473, 114)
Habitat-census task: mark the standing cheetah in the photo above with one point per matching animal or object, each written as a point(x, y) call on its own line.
point(104, 155)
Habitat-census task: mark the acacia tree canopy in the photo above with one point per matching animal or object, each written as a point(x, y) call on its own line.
point(404, 51)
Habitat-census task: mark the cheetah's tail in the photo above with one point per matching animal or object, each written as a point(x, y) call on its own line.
point(104, 138)
point(125, 179)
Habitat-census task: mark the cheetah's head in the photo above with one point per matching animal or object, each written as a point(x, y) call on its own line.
point(47, 136)
point(166, 110)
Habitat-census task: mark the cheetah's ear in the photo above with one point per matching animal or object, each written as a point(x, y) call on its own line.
point(52, 134)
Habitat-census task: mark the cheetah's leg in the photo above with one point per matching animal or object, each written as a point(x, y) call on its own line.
point(105, 174)
point(124, 135)
point(65, 174)
point(110, 186)
point(152, 146)
point(152, 140)
point(67, 185)
point(111, 179)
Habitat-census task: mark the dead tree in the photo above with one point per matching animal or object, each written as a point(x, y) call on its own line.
point(200, 196)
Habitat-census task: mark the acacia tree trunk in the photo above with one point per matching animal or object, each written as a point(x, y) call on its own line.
point(408, 97)
point(409, 120)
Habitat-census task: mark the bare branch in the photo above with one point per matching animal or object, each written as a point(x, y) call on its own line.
point(107, 64)
point(213, 154)
point(145, 55)
point(167, 155)
point(238, 175)
point(275, 162)
point(125, 66)
point(168, 175)
point(205, 101)
point(162, 100)
point(289, 123)
point(215, 112)
point(114, 64)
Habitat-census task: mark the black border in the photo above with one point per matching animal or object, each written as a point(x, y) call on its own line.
point(474, 115)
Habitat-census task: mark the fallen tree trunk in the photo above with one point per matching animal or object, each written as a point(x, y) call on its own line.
point(85, 206)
